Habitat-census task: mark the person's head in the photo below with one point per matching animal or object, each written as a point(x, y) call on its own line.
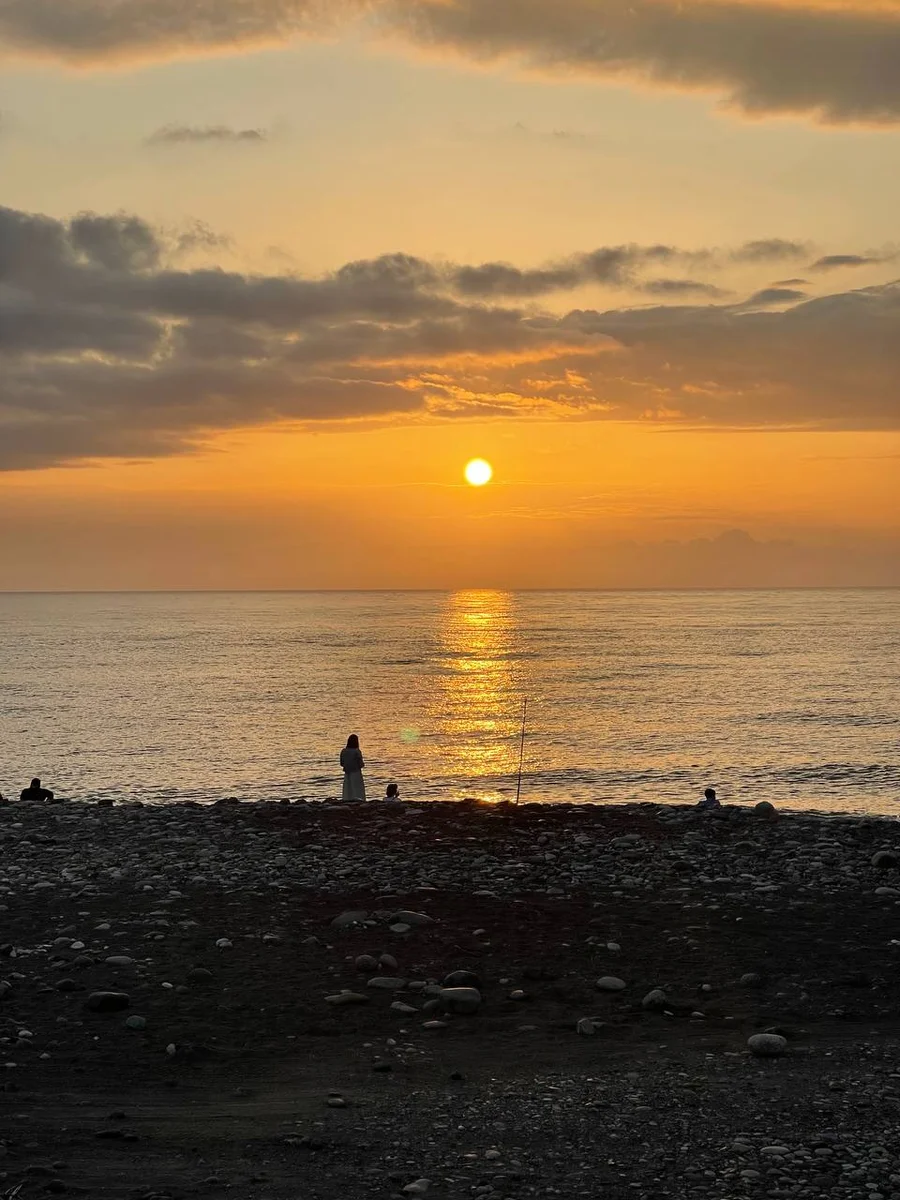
point(710, 793)
point(393, 791)
point(35, 783)
point(352, 742)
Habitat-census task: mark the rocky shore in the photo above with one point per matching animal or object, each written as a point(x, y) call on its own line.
point(276, 1001)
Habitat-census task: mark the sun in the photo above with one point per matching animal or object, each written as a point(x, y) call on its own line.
point(478, 472)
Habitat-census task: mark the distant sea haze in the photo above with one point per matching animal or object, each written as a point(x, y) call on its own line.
point(788, 696)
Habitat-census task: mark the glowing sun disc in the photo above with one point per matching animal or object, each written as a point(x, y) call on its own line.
point(478, 472)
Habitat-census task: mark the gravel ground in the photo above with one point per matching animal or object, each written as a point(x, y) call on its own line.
point(291, 1019)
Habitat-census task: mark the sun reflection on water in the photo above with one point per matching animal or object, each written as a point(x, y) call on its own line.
point(480, 687)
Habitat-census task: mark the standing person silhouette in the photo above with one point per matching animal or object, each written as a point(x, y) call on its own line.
point(353, 763)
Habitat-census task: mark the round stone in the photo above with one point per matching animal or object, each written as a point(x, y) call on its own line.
point(461, 1000)
point(462, 979)
point(610, 983)
point(107, 1002)
point(767, 1045)
point(654, 1000)
point(885, 860)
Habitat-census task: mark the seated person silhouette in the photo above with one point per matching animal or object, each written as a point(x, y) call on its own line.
point(393, 792)
point(710, 799)
point(36, 792)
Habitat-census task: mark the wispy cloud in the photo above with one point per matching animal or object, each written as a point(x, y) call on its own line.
point(204, 135)
point(835, 262)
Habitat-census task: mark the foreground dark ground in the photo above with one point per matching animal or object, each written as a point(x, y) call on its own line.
point(247, 1080)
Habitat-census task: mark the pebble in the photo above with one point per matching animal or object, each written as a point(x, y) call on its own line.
point(406, 1009)
point(611, 983)
point(348, 919)
point(136, 1023)
point(767, 1045)
point(655, 1000)
point(462, 979)
point(884, 860)
point(107, 1002)
point(461, 1000)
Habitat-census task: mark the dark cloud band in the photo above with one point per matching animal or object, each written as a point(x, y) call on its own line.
point(107, 349)
point(837, 63)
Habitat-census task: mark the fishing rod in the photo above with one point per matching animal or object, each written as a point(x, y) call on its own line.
point(522, 748)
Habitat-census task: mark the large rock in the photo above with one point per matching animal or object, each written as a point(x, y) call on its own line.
point(767, 1045)
point(107, 1002)
point(387, 983)
point(765, 811)
point(461, 1000)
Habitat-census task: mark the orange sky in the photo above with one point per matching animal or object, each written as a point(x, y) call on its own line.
point(321, 268)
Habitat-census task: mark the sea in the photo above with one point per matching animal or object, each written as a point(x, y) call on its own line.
point(787, 696)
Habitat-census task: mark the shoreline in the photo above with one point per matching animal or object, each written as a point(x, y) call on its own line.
point(468, 803)
point(283, 967)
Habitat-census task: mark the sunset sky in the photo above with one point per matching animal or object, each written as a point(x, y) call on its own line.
point(273, 271)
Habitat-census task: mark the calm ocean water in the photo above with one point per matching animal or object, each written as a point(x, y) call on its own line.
point(787, 696)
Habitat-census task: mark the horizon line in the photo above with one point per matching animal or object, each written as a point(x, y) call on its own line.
point(443, 591)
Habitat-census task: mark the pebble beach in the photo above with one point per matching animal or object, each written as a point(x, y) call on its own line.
point(282, 1000)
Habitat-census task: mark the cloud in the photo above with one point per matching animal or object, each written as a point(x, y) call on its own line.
point(180, 135)
point(833, 262)
point(774, 295)
point(769, 250)
point(836, 61)
point(615, 266)
point(108, 348)
point(680, 287)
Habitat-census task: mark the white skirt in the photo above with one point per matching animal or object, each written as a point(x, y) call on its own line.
point(354, 786)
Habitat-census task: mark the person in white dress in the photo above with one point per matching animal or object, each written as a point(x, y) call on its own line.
point(352, 762)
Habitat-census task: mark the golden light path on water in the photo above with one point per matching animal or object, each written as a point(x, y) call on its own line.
point(478, 704)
